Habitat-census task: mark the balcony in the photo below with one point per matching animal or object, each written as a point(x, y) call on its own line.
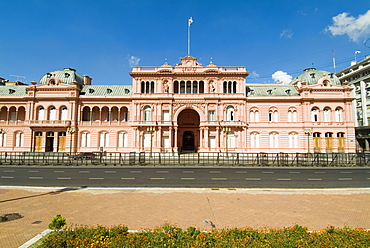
point(48, 123)
point(103, 123)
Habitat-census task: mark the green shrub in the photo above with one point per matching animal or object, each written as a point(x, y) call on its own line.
point(57, 222)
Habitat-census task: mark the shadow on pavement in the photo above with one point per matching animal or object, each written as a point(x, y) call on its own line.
point(47, 193)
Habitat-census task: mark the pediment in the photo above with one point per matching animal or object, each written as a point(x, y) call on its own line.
point(189, 61)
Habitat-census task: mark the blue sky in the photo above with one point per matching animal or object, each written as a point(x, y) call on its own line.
point(104, 38)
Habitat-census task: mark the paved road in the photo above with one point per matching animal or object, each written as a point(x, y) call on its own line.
point(195, 177)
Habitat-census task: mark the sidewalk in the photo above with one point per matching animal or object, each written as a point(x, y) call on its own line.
point(147, 208)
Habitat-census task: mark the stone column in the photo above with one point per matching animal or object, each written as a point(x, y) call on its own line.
point(206, 138)
point(201, 140)
point(170, 137)
point(175, 138)
point(218, 138)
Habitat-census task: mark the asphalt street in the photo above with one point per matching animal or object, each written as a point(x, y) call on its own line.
point(192, 177)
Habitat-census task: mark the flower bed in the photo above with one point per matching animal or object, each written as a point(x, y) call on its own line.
point(171, 236)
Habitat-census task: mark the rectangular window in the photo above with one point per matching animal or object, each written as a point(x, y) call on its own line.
point(166, 142)
point(166, 115)
point(2, 139)
point(212, 142)
point(147, 139)
point(231, 140)
point(211, 115)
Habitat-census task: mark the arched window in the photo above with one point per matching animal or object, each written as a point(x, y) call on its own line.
point(19, 139)
point(230, 113)
point(85, 139)
point(292, 115)
point(124, 114)
point(147, 89)
point(201, 87)
point(338, 115)
point(273, 115)
point(176, 87)
point(293, 140)
point(147, 113)
point(251, 116)
point(53, 114)
point(317, 142)
point(329, 141)
point(152, 87)
point(326, 115)
point(12, 114)
point(122, 139)
point(295, 116)
point(255, 140)
point(274, 140)
point(254, 115)
point(142, 87)
point(64, 114)
point(104, 139)
point(41, 114)
point(182, 87)
point(229, 87)
point(188, 87)
point(195, 87)
point(341, 142)
point(314, 115)
point(86, 114)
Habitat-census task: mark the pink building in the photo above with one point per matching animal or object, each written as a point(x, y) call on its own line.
point(186, 108)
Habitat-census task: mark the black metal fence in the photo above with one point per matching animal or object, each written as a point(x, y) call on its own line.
point(182, 159)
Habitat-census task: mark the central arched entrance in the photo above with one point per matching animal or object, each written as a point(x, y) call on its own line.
point(188, 131)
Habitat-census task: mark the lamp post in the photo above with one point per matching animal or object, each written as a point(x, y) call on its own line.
point(71, 131)
point(151, 130)
point(227, 131)
point(308, 132)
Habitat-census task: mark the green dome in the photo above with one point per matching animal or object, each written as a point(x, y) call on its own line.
point(312, 76)
point(67, 76)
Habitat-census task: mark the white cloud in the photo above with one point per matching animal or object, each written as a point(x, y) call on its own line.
point(281, 76)
point(286, 33)
point(132, 60)
point(355, 28)
point(254, 74)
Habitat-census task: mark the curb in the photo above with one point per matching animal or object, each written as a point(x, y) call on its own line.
point(35, 239)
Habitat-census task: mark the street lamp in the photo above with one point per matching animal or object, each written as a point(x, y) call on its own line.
point(308, 132)
point(227, 131)
point(151, 130)
point(71, 131)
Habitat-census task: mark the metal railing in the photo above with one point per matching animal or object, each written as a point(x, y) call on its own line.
point(183, 159)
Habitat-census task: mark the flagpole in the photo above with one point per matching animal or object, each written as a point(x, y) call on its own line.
point(190, 21)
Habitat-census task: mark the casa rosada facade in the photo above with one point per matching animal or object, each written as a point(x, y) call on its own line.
point(182, 108)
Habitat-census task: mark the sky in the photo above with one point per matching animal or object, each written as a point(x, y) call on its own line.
point(274, 39)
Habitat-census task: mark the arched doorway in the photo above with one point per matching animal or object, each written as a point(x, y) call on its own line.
point(188, 131)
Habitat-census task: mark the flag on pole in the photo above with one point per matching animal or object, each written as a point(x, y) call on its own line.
point(190, 21)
